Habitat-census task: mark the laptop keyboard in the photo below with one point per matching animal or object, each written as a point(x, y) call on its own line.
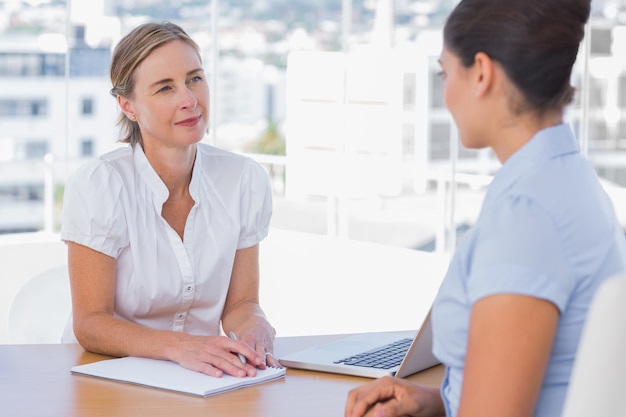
point(385, 357)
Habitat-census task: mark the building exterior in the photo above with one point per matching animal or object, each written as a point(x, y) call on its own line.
point(41, 114)
point(51, 122)
point(368, 122)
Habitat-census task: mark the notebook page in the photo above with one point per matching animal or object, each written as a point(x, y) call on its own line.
point(171, 376)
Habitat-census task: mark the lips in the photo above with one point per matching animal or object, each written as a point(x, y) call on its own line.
point(192, 121)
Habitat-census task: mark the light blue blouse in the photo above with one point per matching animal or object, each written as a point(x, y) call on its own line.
point(547, 229)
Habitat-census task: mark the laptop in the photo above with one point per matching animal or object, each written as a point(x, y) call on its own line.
point(370, 355)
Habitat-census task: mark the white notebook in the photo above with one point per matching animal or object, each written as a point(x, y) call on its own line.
point(171, 376)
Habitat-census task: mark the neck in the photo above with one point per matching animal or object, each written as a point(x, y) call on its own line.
point(174, 166)
point(518, 131)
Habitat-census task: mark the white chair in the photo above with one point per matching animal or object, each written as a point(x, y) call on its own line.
point(40, 309)
point(598, 382)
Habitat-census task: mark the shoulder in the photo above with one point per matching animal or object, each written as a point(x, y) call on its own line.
point(519, 231)
point(121, 153)
point(117, 157)
point(106, 170)
point(569, 192)
point(516, 216)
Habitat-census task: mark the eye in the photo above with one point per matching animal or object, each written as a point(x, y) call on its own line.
point(164, 89)
point(196, 79)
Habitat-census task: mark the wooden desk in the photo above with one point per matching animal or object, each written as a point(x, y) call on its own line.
point(35, 380)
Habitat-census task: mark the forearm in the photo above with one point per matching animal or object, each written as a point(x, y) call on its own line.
point(245, 314)
point(103, 333)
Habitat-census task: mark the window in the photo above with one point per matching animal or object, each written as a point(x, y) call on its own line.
point(410, 85)
point(408, 141)
point(38, 108)
point(23, 107)
point(436, 90)
point(440, 141)
point(23, 64)
point(35, 149)
point(359, 106)
point(87, 106)
point(87, 148)
point(21, 193)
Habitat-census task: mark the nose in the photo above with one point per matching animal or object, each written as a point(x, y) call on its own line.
point(188, 99)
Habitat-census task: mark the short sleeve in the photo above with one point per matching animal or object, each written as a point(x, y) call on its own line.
point(92, 209)
point(520, 252)
point(256, 205)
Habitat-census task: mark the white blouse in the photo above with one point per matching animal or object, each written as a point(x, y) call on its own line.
point(113, 205)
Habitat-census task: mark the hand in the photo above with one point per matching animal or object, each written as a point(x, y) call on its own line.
point(394, 397)
point(259, 335)
point(214, 355)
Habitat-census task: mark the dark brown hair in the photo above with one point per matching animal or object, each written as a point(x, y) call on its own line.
point(535, 41)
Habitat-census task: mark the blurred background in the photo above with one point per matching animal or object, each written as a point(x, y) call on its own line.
point(339, 99)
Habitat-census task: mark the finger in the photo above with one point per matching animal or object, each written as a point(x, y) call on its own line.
point(231, 358)
point(271, 360)
point(394, 407)
point(363, 398)
point(379, 409)
point(216, 364)
point(208, 369)
point(262, 351)
point(391, 408)
point(232, 365)
point(351, 409)
point(248, 355)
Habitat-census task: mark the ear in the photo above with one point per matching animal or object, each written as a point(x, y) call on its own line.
point(126, 106)
point(484, 76)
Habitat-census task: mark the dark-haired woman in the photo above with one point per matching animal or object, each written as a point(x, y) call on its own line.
point(509, 314)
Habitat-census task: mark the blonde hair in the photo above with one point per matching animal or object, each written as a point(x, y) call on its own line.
point(128, 54)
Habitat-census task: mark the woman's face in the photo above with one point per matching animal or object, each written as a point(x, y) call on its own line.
point(171, 97)
point(459, 98)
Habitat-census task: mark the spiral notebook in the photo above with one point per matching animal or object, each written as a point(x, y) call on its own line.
point(171, 376)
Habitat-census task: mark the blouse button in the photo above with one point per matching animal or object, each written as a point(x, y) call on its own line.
point(181, 316)
point(188, 288)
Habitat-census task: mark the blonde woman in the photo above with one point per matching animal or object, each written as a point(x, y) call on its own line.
point(163, 234)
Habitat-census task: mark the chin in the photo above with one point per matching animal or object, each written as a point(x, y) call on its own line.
point(469, 143)
point(196, 136)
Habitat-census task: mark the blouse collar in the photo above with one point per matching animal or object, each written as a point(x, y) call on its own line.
point(549, 143)
point(156, 184)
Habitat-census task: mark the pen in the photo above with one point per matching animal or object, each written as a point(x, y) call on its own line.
point(241, 357)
